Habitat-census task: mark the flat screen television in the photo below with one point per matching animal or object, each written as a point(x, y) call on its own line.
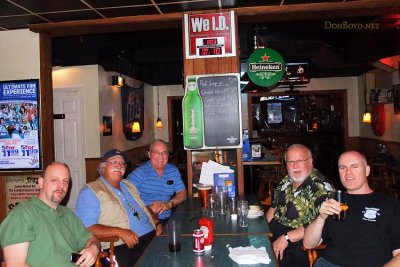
point(296, 73)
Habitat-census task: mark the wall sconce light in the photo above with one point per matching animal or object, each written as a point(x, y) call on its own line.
point(159, 123)
point(135, 127)
point(117, 80)
point(367, 114)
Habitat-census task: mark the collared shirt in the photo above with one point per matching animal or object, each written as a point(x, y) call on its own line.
point(52, 234)
point(88, 209)
point(296, 208)
point(155, 188)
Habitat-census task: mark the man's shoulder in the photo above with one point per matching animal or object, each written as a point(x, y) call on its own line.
point(170, 166)
point(24, 207)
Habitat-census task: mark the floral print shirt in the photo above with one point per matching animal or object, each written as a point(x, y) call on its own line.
point(296, 208)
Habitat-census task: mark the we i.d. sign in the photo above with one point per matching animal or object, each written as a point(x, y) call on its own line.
point(210, 35)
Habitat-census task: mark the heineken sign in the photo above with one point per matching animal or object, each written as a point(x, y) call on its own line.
point(265, 67)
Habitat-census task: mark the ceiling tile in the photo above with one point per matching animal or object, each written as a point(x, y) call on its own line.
point(41, 6)
point(129, 11)
point(117, 3)
point(19, 22)
point(176, 6)
point(71, 16)
point(250, 3)
point(7, 9)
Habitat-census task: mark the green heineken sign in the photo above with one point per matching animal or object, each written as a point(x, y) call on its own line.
point(265, 67)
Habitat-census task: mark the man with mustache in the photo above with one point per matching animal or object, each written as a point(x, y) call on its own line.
point(296, 203)
point(42, 233)
point(370, 235)
point(111, 206)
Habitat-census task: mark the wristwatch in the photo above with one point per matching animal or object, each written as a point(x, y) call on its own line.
point(287, 238)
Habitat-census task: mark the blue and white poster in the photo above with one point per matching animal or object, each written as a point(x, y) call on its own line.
point(19, 125)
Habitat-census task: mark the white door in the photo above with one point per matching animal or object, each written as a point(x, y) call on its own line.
point(69, 136)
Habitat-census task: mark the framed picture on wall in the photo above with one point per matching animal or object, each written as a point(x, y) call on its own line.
point(396, 98)
point(107, 125)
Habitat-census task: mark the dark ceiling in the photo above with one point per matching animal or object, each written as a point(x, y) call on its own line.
point(155, 56)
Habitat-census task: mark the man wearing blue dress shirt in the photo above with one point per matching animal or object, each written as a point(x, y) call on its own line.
point(111, 206)
point(159, 183)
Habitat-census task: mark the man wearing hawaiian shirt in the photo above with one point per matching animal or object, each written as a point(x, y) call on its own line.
point(296, 203)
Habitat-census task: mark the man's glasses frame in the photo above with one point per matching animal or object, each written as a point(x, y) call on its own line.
point(298, 162)
point(116, 163)
point(160, 153)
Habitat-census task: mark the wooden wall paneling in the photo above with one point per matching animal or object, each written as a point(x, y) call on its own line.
point(3, 207)
point(46, 100)
point(91, 169)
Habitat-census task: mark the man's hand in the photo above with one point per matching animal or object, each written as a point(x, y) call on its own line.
point(159, 229)
point(130, 238)
point(156, 207)
point(89, 253)
point(329, 207)
point(279, 246)
point(159, 207)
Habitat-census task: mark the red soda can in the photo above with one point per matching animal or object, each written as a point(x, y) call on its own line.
point(198, 241)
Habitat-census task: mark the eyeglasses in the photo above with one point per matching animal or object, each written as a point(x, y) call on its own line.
point(160, 153)
point(298, 162)
point(116, 163)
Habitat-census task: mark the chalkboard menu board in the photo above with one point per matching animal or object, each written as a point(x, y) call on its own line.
point(221, 110)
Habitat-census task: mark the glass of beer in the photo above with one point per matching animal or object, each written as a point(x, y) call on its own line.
point(204, 191)
point(340, 196)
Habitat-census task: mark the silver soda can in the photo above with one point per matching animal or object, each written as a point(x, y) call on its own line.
point(198, 241)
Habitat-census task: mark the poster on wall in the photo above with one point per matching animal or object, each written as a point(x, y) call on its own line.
point(210, 35)
point(19, 125)
point(132, 100)
point(20, 189)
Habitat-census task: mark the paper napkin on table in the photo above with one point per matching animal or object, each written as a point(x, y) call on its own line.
point(249, 255)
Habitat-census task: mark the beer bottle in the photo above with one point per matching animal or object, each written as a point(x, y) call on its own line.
point(192, 108)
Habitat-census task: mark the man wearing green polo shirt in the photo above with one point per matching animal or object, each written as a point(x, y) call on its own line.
point(41, 233)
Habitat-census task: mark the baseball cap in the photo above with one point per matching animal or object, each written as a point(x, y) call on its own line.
point(114, 152)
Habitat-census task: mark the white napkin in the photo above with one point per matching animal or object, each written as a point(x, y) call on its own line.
point(249, 255)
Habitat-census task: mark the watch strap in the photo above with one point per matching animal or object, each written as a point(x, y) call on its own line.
point(287, 238)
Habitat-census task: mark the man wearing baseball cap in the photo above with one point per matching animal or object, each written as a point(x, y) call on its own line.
point(111, 206)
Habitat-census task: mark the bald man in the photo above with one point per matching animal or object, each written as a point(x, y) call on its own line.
point(40, 232)
point(370, 235)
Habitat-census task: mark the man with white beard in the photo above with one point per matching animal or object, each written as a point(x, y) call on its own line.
point(296, 203)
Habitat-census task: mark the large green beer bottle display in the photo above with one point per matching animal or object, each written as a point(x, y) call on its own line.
point(192, 107)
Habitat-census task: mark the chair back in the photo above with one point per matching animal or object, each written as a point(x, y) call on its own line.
point(104, 254)
point(312, 253)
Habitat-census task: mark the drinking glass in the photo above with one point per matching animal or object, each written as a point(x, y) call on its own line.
point(222, 202)
point(204, 191)
point(340, 196)
point(174, 235)
point(243, 211)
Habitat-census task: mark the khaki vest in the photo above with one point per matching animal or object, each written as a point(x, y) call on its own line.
point(112, 212)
